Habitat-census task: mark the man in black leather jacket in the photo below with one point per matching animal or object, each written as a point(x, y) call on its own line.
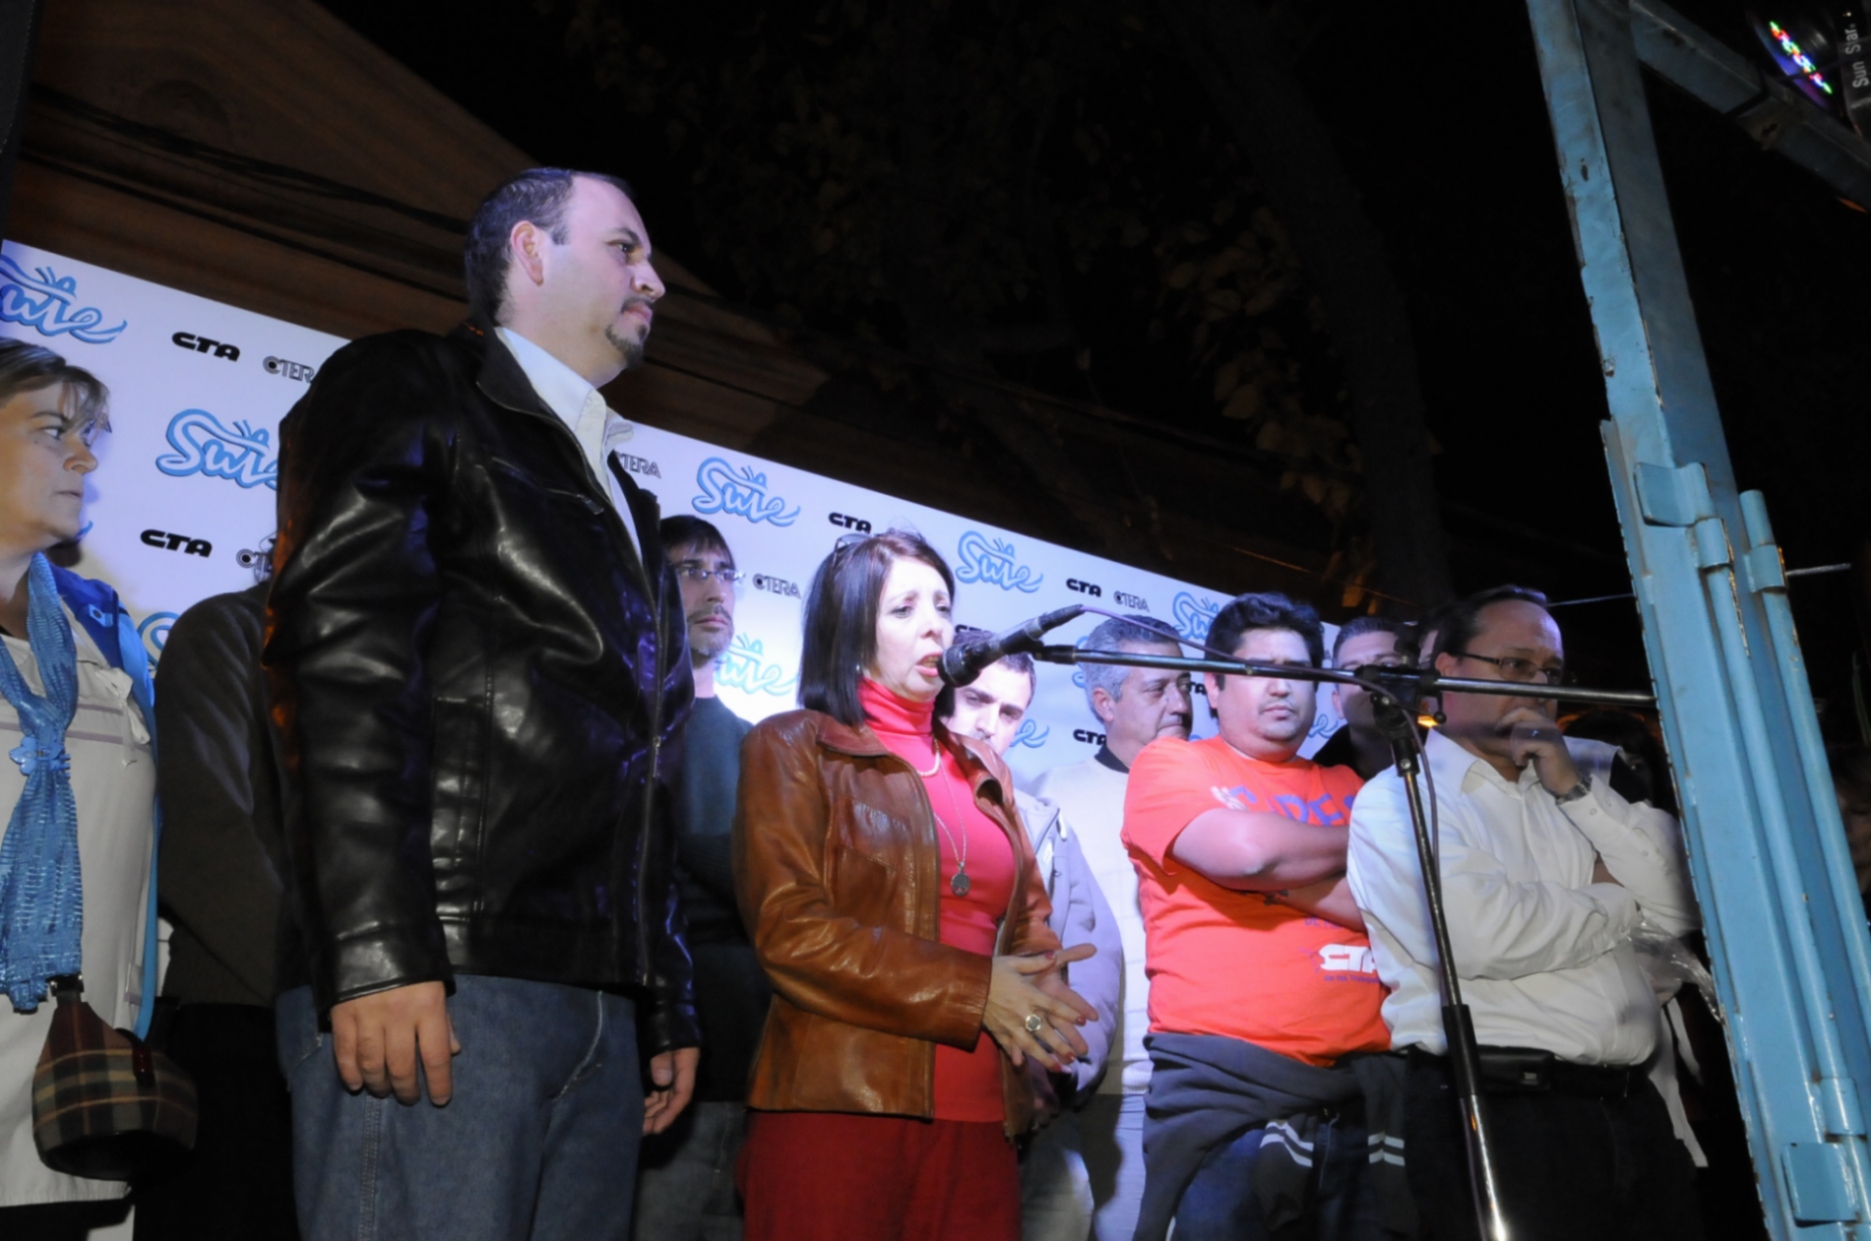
point(473, 675)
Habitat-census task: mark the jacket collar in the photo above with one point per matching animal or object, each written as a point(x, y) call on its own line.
point(501, 376)
point(1040, 816)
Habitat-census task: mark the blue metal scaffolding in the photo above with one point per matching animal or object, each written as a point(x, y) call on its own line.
point(1785, 925)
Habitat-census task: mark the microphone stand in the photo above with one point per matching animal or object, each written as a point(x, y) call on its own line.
point(1391, 689)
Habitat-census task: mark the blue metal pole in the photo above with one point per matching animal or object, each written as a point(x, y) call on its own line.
point(1785, 928)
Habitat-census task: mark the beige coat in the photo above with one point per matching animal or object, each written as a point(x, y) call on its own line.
point(113, 774)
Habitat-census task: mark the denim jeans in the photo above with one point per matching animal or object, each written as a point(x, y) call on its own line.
point(1220, 1205)
point(685, 1183)
point(1055, 1189)
point(1111, 1138)
point(539, 1142)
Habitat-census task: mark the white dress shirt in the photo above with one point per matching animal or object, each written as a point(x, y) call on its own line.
point(599, 428)
point(1543, 953)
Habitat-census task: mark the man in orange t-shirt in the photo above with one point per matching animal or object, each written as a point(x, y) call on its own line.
point(1261, 976)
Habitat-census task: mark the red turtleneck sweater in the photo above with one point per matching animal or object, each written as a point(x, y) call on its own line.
point(967, 1083)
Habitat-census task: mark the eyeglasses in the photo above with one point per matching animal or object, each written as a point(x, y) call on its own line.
point(1514, 668)
point(694, 572)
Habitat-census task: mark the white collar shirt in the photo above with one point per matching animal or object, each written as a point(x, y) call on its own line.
point(598, 428)
point(1543, 954)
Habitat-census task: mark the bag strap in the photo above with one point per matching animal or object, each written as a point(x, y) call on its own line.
point(101, 612)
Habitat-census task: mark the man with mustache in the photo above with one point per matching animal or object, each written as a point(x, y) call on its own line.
point(685, 1186)
point(1262, 991)
point(475, 656)
point(1545, 875)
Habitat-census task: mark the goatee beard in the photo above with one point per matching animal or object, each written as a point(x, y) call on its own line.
point(711, 649)
point(631, 351)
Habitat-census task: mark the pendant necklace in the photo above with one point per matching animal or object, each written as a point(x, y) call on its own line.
point(960, 884)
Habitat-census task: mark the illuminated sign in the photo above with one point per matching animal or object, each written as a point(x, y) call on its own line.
point(1799, 58)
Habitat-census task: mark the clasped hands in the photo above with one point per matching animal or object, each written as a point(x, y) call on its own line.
point(1536, 739)
point(1034, 986)
point(378, 1041)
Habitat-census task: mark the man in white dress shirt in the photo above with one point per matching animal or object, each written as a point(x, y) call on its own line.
point(1546, 874)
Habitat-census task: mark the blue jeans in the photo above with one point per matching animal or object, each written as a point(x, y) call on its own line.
point(1220, 1205)
point(1055, 1189)
point(685, 1183)
point(539, 1142)
point(1110, 1130)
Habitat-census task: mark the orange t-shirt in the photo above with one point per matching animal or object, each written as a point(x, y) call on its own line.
point(1240, 964)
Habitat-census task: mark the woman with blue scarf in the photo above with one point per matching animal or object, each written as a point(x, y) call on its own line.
point(77, 772)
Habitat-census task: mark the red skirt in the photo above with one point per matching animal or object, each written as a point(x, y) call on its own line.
point(809, 1176)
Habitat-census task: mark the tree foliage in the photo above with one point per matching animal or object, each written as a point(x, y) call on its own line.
point(1032, 187)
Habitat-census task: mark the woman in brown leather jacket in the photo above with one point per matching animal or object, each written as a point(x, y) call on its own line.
point(892, 898)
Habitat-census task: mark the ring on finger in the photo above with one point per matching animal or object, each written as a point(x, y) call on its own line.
point(1034, 1023)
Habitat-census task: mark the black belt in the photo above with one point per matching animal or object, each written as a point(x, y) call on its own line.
point(1530, 1070)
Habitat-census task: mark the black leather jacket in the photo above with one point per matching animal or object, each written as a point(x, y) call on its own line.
point(472, 685)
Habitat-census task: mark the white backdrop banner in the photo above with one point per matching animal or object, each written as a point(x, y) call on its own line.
point(182, 504)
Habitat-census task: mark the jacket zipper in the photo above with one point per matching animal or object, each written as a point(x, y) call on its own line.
point(652, 590)
point(658, 623)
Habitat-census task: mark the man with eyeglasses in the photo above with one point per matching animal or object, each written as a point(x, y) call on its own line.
point(685, 1183)
point(1359, 744)
point(1546, 874)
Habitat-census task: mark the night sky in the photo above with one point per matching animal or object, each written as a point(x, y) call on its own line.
point(1444, 129)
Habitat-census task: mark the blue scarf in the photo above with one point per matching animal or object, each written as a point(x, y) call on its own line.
point(41, 891)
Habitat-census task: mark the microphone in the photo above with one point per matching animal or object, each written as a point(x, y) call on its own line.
point(961, 664)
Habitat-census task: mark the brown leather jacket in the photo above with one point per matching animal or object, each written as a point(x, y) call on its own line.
point(837, 866)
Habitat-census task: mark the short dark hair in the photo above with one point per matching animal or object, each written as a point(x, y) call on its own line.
point(26, 367)
point(538, 196)
point(841, 617)
point(682, 530)
point(1358, 626)
point(967, 636)
point(1244, 614)
point(1458, 625)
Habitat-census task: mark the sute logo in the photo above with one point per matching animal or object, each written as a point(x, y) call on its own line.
point(154, 630)
point(1193, 616)
point(1087, 736)
point(851, 523)
point(1030, 733)
point(640, 465)
point(280, 366)
point(776, 585)
point(979, 560)
point(744, 667)
point(1136, 603)
point(177, 543)
point(48, 304)
point(201, 344)
point(740, 492)
point(1084, 588)
point(204, 446)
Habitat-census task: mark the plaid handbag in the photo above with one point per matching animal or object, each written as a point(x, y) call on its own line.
point(104, 1104)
